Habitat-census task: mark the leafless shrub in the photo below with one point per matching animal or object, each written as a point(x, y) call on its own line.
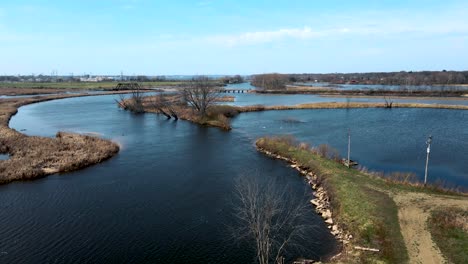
point(388, 102)
point(270, 218)
point(134, 103)
point(164, 106)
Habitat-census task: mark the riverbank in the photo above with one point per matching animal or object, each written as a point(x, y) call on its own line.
point(461, 98)
point(219, 115)
point(344, 105)
point(33, 157)
point(443, 93)
point(372, 216)
point(172, 106)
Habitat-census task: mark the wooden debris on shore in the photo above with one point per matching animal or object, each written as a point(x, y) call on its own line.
point(351, 163)
point(367, 249)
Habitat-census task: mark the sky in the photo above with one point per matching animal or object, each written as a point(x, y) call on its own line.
point(231, 36)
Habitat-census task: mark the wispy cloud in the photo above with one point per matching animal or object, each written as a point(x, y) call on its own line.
point(259, 37)
point(389, 27)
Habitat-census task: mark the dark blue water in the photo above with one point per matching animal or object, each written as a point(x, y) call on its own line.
point(241, 86)
point(165, 198)
point(382, 139)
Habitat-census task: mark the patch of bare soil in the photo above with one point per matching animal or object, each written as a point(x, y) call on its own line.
point(413, 212)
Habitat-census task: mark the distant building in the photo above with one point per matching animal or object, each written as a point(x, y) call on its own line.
point(93, 79)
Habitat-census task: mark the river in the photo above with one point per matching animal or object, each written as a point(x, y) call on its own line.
point(167, 196)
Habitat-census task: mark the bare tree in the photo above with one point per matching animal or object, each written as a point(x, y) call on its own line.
point(164, 106)
point(388, 102)
point(134, 103)
point(201, 94)
point(270, 218)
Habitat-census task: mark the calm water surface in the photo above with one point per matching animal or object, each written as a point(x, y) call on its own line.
point(165, 198)
point(382, 139)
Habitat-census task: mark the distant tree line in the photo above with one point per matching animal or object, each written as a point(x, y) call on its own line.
point(270, 81)
point(232, 79)
point(390, 78)
point(275, 81)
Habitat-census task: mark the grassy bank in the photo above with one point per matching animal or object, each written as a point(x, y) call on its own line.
point(370, 92)
point(367, 213)
point(449, 228)
point(445, 98)
point(33, 157)
point(363, 204)
point(231, 111)
point(345, 105)
point(219, 115)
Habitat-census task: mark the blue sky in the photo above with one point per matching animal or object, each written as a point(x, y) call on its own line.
point(231, 36)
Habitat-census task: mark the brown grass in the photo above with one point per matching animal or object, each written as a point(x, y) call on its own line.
point(449, 229)
point(344, 105)
point(388, 213)
point(33, 157)
point(217, 115)
point(29, 91)
point(330, 91)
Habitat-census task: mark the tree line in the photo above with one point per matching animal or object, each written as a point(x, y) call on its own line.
point(276, 81)
point(389, 78)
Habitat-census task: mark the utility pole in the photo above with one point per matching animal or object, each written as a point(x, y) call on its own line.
point(349, 146)
point(428, 142)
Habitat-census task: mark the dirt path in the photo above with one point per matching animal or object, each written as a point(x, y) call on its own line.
point(413, 212)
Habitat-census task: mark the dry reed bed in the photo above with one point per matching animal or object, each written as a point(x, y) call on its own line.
point(33, 157)
point(389, 93)
point(219, 115)
point(30, 91)
point(383, 97)
point(216, 115)
point(344, 105)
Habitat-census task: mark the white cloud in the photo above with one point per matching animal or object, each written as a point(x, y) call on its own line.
point(375, 27)
point(259, 37)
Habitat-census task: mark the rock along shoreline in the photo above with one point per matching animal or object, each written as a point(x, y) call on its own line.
point(321, 202)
